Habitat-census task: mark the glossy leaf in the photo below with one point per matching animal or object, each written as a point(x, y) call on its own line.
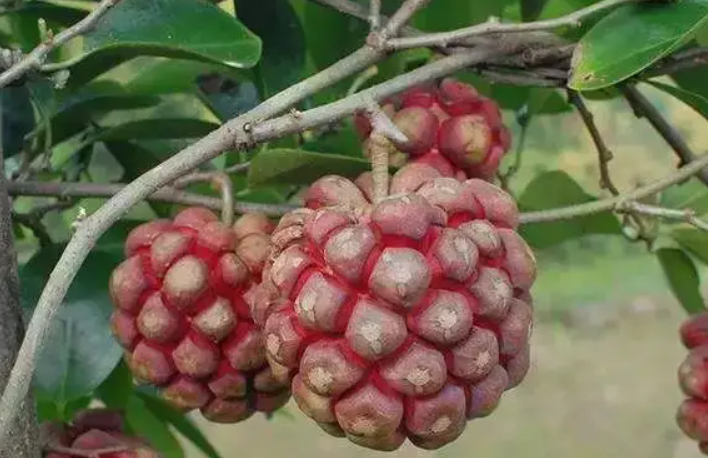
point(143, 422)
point(81, 353)
point(291, 166)
point(278, 26)
point(183, 29)
point(695, 101)
point(682, 276)
point(228, 98)
point(180, 422)
point(554, 190)
point(611, 51)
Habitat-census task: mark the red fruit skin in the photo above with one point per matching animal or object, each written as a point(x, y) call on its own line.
point(694, 330)
point(404, 319)
point(469, 131)
point(182, 312)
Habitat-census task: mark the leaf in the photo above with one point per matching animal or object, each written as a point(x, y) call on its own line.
point(691, 194)
point(228, 98)
point(681, 273)
point(17, 118)
point(693, 80)
point(144, 423)
point(531, 9)
point(180, 422)
point(155, 128)
point(554, 190)
point(116, 390)
point(695, 101)
point(610, 52)
point(437, 15)
point(693, 240)
point(186, 29)
point(278, 26)
point(49, 409)
point(81, 352)
point(291, 166)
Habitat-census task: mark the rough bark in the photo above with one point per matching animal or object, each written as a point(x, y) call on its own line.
point(23, 440)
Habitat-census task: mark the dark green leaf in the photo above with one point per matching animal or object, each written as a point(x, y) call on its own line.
point(144, 423)
point(442, 15)
point(291, 166)
point(228, 98)
point(186, 29)
point(17, 118)
point(610, 52)
point(531, 9)
point(278, 26)
point(693, 240)
point(554, 190)
point(81, 352)
point(49, 409)
point(695, 101)
point(117, 389)
point(180, 422)
point(693, 80)
point(681, 273)
point(159, 128)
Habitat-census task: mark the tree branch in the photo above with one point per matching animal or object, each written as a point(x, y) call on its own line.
point(612, 204)
point(643, 108)
point(445, 39)
point(375, 14)
point(686, 215)
point(36, 58)
point(166, 194)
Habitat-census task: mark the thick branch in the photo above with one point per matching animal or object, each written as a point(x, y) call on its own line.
point(36, 58)
point(643, 108)
point(166, 194)
point(21, 441)
point(612, 204)
point(456, 36)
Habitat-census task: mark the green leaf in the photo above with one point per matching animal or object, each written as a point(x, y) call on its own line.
point(143, 422)
point(554, 190)
point(49, 409)
point(180, 422)
point(695, 101)
point(437, 15)
point(693, 240)
point(276, 23)
point(611, 51)
point(228, 98)
point(17, 118)
point(691, 194)
point(81, 352)
point(681, 273)
point(531, 9)
point(159, 128)
point(291, 166)
point(117, 389)
point(186, 29)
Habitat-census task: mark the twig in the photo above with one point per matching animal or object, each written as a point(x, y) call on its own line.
point(453, 37)
point(362, 79)
point(687, 215)
point(166, 194)
point(382, 124)
point(238, 168)
point(239, 133)
point(375, 14)
point(222, 182)
point(611, 204)
point(401, 17)
point(677, 62)
point(603, 152)
point(36, 58)
point(643, 108)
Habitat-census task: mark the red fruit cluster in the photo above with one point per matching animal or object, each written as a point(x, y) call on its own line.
point(401, 319)
point(692, 415)
point(182, 314)
point(95, 432)
point(449, 126)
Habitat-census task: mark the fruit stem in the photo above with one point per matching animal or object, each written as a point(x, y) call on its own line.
point(379, 147)
point(222, 183)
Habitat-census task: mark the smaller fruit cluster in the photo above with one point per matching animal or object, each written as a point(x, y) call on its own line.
point(449, 126)
point(97, 433)
point(182, 314)
point(692, 415)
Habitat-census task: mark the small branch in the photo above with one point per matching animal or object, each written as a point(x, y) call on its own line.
point(687, 215)
point(380, 143)
point(677, 62)
point(237, 168)
point(375, 14)
point(36, 58)
point(643, 108)
point(603, 152)
point(611, 204)
point(166, 194)
point(456, 36)
point(401, 17)
point(362, 79)
point(220, 181)
point(381, 123)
